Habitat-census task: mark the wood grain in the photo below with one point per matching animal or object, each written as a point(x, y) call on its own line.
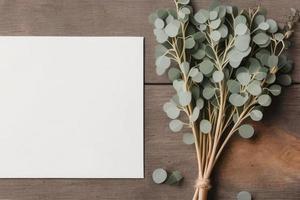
point(267, 166)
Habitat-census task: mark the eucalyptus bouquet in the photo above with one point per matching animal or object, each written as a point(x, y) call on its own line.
point(225, 64)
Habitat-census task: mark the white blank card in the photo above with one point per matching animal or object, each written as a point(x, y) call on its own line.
point(71, 107)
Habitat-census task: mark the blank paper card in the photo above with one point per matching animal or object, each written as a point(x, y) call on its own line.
point(71, 107)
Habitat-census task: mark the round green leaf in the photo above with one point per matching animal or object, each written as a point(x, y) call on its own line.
point(189, 43)
point(184, 2)
point(185, 67)
point(176, 125)
point(201, 16)
point(195, 114)
point(185, 98)
point(208, 92)
point(193, 72)
point(174, 178)
point(264, 26)
point(161, 35)
point(254, 65)
point(213, 15)
point(174, 74)
point(218, 76)
point(244, 196)
point(159, 23)
point(273, 26)
point(200, 103)
point(261, 38)
point(171, 110)
point(279, 36)
point(206, 67)
point(256, 115)
point(246, 131)
point(285, 80)
point(223, 30)
point(198, 78)
point(215, 36)
point(264, 100)
point(178, 85)
point(215, 23)
point(242, 42)
point(233, 86)
point(237, 100)
point(162, 64)
point(172, 28)
point(188, 138)
point(200, 54)
point(159, 176)
point(241, 29)
point(205, 126)
point(273, 61)
point(244, 78)
point(275, 89)
point(270, 78)
point(254, 88)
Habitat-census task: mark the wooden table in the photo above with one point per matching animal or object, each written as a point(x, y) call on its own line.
point(268, 166)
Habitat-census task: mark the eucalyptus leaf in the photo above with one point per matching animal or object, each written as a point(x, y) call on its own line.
point(202, 16)
point(261, 38)
point(189, 43)
point(176, 125)
point(272, 61)
point(184, 2)
point(215, 23)
point(233, 86)
point(285, 80)
point(244, 78)
point(275, 89)
point(218, 76)
point(237, 100)
point(254, 88)
point(241, 29)
point(244, 195)
point(264, 100)
point(159, 23)
point(264, 26)
point(174, 74)
point(206, 67)
point(208, 92)
point(172, 29)
point(200, 103)
point(198, 78)
point(199, 54)
point(171, 110)
point(256, 115)
point(205, 126)
point(215, 36)
point(195, 114)
point(174, 178)
point(185, 97)
point(273, 26)
point(162, 64)
point(246, 131)
point(159, 176)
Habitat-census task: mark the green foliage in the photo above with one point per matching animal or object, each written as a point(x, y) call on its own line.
point(227, 59)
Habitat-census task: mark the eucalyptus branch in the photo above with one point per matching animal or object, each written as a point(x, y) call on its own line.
point(229, 64)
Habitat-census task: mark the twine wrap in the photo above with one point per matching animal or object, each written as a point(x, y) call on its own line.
point(203, 183)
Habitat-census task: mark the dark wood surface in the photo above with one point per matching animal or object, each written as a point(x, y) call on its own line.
point(267, 166)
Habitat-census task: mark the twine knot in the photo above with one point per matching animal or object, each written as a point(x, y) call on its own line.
point(203, 183)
